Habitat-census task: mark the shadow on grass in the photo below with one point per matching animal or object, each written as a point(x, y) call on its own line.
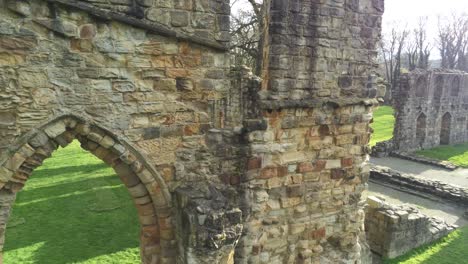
point(70, 222)
point(59, 171)
point(448, 250)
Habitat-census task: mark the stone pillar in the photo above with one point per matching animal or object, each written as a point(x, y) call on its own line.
point(305, 171)
point(7, 198)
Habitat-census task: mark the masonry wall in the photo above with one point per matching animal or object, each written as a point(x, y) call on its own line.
point(431, 109)
point(156, 88)
point(235, 169)
point(308, 139)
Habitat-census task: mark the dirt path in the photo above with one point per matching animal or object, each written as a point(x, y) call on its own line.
point(458, 177)
point(435, 208)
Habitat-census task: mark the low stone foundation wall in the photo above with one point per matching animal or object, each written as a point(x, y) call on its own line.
point(394, 230)
point(451, 193)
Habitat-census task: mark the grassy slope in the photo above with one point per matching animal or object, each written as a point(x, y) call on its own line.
point(449, 250)
point(74, 209)
point(456, 154)
point(383, 124)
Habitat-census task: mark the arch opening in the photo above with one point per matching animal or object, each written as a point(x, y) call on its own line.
point(146, 187)
point(421, 129)
point(421, 87)
point(438, 87)
point(445, 129)
point(455, 89)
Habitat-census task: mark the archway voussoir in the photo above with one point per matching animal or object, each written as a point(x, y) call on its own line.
point(95, 136)
point(107, 142)
point(55, 129)
point(138, 190)
point(146, 176)
point(83, 129)
point(128, 158)
point(145, 209)
point(5, 174)
point(15, 162)
point(142, 200)
point(101, 152)
point(26, 150)
point(147, 220)
point(39, 140)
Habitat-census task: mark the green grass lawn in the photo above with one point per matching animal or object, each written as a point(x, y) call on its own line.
point(452, 249)
point(456, 154)
point(384, 122)
point(73, 209)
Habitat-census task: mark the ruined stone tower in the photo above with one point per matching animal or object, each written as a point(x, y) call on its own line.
point(223, 167)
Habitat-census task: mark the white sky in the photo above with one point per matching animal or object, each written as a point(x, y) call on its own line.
point(408, 12)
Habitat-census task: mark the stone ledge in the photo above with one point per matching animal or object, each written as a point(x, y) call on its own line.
point(445, 191)
point(412, 157)
point(314, 103)
point(150, 26)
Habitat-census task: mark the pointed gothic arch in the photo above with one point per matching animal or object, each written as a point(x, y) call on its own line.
point(438, 87)
point(421, 87)
point(455, 89)
point(421, 129)
point(145, 185)
point(445, 129)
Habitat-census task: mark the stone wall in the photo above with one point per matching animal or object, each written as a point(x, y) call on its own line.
point(223, 167)
point(305, 171)
point(393, 230)
point(431, 109)
point(159, 92)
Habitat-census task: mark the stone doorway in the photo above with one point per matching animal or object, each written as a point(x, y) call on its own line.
point(445, 128)
point(421, 129)
point(145, 185)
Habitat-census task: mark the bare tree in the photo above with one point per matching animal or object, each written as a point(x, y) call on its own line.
point(418, 47)
point(246, 33)
point(392, 51)
point(453, 42)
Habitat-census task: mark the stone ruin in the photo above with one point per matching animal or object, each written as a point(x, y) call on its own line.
point(223, 167)
point(393, 230)
point(431, 109)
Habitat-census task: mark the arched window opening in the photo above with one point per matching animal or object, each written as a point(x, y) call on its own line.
point(421, 129)
point(421, 87)
point(438, 87)
point(445, 129)
point(101, 196)
point(73, 204)
point(455, 86)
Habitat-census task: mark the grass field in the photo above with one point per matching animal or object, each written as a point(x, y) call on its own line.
point(456, 154)
point(449, 250)
point(74, 209)
point(384, 122)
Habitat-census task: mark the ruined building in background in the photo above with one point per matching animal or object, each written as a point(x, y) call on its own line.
point(223, 167)
point(431, 109)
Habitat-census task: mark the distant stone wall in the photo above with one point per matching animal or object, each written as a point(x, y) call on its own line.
point(431, 109)
point(393, 231)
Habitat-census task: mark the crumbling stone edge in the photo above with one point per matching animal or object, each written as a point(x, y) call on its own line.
point(445, 191)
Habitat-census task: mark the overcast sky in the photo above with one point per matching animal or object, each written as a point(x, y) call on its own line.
point(407, 12)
